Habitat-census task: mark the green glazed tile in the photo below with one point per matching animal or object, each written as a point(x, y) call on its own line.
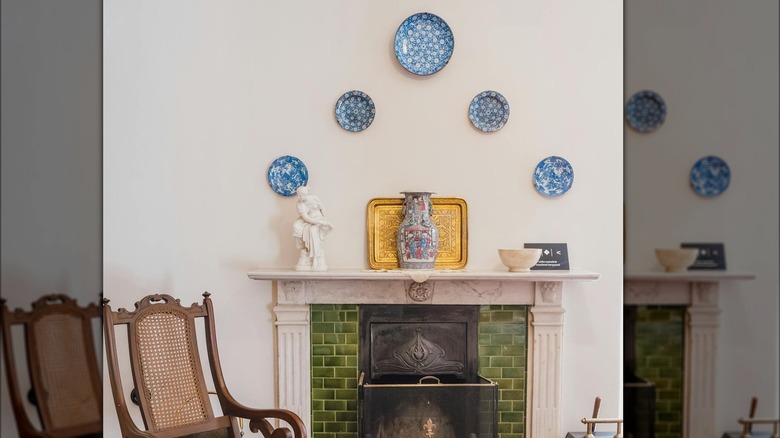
point(502, 339)
point(345, 327)
point(490, 372)
point(323, 394)
point(487, 328)
point(323, 416)
point(334, 361)
point(346, 416)
point(330, 338)
point(346, 394)
point(323, 327)
point(346, 350)
point(335, 427)
point(322, 372)
point(510, 417)
point(511, 394)
point(502, 316)
point(344, 372)
point(334, 383)
point(335, 405)
point(322, 350)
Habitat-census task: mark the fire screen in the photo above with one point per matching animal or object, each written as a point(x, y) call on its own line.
point(446, 410)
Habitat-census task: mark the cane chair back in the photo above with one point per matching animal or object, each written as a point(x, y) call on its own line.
point(168, 376)
point(62, 367)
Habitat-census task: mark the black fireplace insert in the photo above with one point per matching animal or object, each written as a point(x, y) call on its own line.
point(419, 374)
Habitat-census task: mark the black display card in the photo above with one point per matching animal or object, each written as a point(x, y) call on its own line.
point(711, 256)
point(555, 256)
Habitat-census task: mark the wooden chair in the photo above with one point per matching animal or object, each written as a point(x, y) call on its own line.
point(66, 391)
point(168, 374)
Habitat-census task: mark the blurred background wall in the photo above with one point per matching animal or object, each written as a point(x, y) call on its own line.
point(715, 63)
point(51, 156)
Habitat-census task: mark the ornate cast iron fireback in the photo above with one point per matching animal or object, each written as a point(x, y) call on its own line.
point(418, 356)
point(402, 343)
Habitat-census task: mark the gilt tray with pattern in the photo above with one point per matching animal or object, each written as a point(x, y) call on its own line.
point(385, 215)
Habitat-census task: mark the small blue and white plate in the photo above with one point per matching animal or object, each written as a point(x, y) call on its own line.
point(355, 111)
point(489, 111)
point(645, 111)
point(553, 176)
point(286, 174)
point(710, 176)
point(424, 43)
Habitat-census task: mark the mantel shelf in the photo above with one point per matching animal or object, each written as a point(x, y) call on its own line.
point(688, 276)
point(465, 274)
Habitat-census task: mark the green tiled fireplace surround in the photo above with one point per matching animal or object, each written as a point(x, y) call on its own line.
point(334, 350)
point(660, 332)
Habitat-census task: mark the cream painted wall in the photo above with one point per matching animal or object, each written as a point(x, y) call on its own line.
point(51, 149)
point(715, 63)
point(200, 97)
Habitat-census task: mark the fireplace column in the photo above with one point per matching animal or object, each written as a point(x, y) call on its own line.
point(544, 373)
point(701, 345)
point(293, 350)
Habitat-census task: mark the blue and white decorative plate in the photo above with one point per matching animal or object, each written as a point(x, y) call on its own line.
point(645, 111)
point(489, 111)
point(710, 176)
point(553, 176)
point(355, 111)
point(286, 174)
point(424, 43)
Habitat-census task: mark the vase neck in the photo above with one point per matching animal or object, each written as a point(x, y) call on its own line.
point(418, 204)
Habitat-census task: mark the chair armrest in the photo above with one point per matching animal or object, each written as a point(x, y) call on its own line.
point(258, 420)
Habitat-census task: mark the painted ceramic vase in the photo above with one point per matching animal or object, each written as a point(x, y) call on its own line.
point(418, 236)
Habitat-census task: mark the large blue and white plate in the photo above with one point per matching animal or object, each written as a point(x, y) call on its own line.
point(286, 174)
point(489, 111)
point(553, 176)
point(710, 176)
point(645, 111)
point(355, 111)
point(424, 43)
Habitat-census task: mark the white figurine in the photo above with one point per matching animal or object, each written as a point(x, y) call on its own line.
point(310, 230)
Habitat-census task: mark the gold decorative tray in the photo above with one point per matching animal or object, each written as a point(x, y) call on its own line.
point(385, 215)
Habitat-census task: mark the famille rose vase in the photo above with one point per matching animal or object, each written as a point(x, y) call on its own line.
point(418, 236)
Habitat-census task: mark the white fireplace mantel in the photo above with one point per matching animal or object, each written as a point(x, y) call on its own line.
point(698, 291)
point(541, 290)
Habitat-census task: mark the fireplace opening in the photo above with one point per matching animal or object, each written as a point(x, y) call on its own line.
point(653, 369)
point(418, 373)
point(638, 392)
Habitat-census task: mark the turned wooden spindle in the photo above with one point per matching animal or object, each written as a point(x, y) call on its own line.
point(591, 422)
point(747, 425)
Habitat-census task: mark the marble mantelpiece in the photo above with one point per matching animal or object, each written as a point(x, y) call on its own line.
point(541, 290)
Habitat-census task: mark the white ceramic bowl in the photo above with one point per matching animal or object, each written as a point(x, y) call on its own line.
point(676, 259)
point(519, 259)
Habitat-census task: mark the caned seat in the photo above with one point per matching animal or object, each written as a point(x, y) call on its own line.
point(62, 366)
point(168, 375)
